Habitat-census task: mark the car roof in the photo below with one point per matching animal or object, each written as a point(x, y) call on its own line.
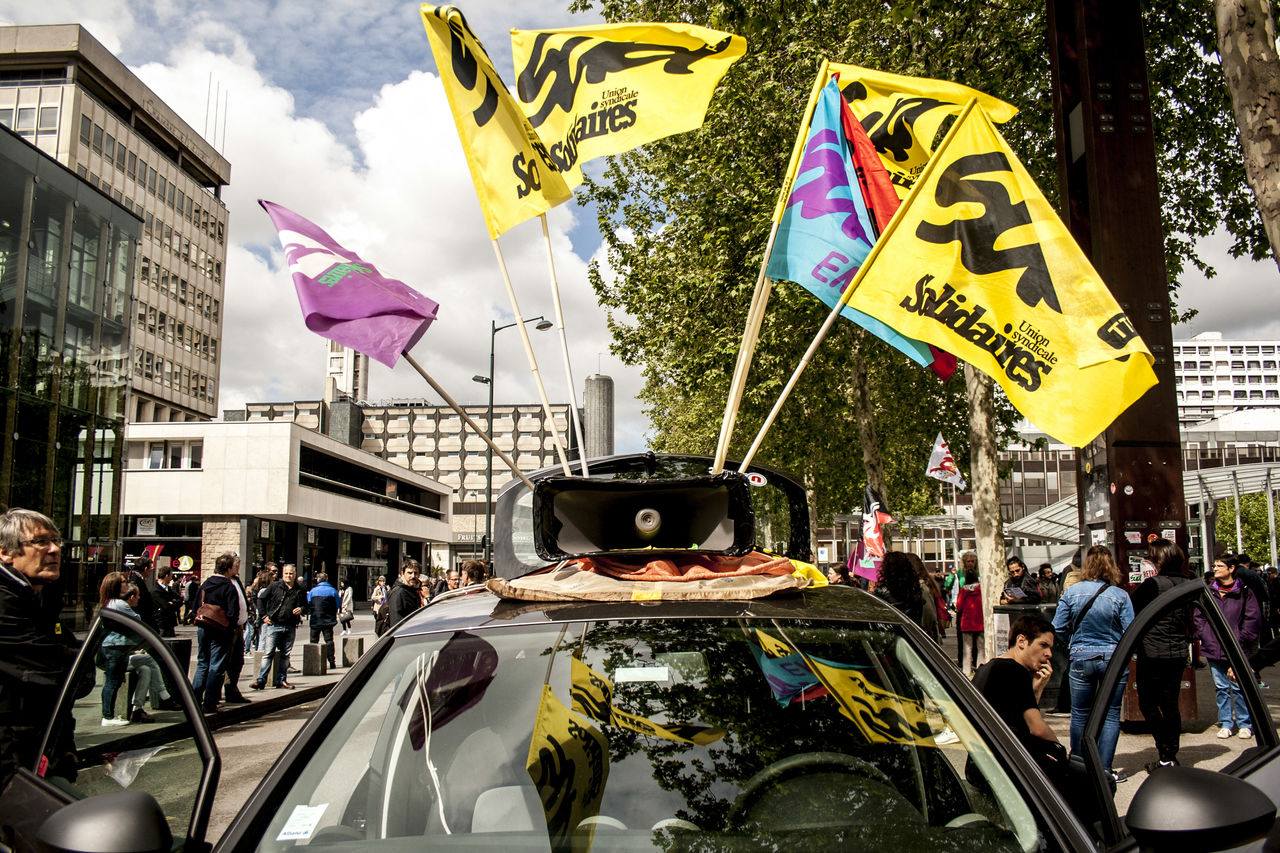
point(477, 607)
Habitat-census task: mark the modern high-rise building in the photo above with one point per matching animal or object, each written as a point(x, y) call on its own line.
point(67, 260)
point(61, 90)
point(1216, 376)
point(347, 373)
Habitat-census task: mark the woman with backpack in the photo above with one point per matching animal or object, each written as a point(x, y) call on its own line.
point(1162, 655)
point(1094, 613)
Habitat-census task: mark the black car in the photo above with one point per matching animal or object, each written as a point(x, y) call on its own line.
point(637, 715)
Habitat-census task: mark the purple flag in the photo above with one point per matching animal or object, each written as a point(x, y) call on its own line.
point(345, 299)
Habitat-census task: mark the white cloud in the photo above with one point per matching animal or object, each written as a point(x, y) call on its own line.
point(404, 200)
point(334, 112)
point(1230, 302)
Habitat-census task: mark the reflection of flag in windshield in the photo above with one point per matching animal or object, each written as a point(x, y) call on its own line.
point(592, 694)
point(458, 678)
point(569, 765)
point(880, 715)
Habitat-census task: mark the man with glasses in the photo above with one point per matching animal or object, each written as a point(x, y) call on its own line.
point(35, 653)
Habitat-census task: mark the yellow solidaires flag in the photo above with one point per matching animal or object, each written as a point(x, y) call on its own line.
point(902, 115)
point(568, 762)
point(591, 694)
point(514, 175)
point(976, 262)
point(597, 90)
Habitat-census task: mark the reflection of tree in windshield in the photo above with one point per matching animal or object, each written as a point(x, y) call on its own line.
point(732, 693)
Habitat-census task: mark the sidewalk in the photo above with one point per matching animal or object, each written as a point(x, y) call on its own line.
point(271, 699)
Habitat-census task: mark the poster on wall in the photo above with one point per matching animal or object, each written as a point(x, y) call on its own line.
point(146, 526)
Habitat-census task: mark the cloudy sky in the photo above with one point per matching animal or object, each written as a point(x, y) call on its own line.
point(334, 109)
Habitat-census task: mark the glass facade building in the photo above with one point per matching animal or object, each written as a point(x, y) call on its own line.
point(67, 261)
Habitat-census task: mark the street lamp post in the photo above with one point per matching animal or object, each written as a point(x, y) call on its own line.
point(542, 325)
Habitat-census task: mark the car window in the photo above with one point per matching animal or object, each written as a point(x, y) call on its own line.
point(93, 747)
point(656, 734)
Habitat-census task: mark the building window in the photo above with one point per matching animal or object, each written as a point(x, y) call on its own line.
point(155, 455)
point(86, 130)
point(175, 455)
point(48, 120)
point(195, 458)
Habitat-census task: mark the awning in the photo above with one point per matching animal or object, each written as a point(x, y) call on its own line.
point(1060, 522)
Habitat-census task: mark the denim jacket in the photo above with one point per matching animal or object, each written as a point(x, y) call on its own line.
point(1106, 621)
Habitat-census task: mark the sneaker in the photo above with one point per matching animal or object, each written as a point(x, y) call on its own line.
point(1245, 733)
point(945, 737)
point(114, 721)
point(1224, 732)
point(140, 716)
point(1119, 776)
point(1157, 765)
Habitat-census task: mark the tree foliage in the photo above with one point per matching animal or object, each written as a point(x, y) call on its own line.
point(1253, 525)
point(686, 221)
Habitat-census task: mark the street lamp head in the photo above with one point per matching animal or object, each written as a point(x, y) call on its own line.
point(544, 325)
point(483, 380)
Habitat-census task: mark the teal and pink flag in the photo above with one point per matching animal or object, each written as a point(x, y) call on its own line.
point(346, 299)
point(827, 230)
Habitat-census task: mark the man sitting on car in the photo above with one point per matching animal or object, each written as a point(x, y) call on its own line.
point(1013, 684)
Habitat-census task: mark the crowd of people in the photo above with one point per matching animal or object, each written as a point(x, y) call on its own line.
point(1087, 607)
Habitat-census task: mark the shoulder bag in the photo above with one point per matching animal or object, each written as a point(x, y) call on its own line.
point(212, 616)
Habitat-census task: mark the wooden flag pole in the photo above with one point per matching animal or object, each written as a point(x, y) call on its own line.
point(564, 350)
point(764, 286)
point(484, 434)
point(533, 360)
point(746, 352)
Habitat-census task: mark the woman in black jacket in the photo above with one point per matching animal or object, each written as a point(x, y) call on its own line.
point(1162, 655)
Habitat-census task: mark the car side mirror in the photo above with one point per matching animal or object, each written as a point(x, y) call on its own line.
point(1189, 809)
point(127, 820)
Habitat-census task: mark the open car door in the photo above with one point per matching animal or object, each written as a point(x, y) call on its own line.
point(1180, 808)
point(104, 785)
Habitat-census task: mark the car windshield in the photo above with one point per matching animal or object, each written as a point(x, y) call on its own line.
point(663, 734)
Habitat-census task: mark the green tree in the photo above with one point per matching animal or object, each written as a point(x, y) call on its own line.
point(1253, 525)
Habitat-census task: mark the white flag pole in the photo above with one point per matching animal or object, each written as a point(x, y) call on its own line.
point(484, 434)
point(564, 350)
point(533, 360)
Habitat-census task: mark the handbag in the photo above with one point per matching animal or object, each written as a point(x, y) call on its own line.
point(212, 616)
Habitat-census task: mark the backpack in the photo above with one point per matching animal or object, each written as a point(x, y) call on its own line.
point(381, 619)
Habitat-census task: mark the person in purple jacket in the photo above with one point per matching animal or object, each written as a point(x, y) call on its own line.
point(1243, 614)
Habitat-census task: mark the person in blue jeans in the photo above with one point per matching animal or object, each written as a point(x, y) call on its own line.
point(282, 608)
point(1094, 613)
point(213, 643)
point(1243, 615)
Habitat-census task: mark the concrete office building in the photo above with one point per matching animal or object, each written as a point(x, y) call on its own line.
point(433, 441)
point(281, 492)
point(61, 90)
point(1216, 376)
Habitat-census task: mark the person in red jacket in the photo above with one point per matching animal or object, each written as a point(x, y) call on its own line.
point(969, 624)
